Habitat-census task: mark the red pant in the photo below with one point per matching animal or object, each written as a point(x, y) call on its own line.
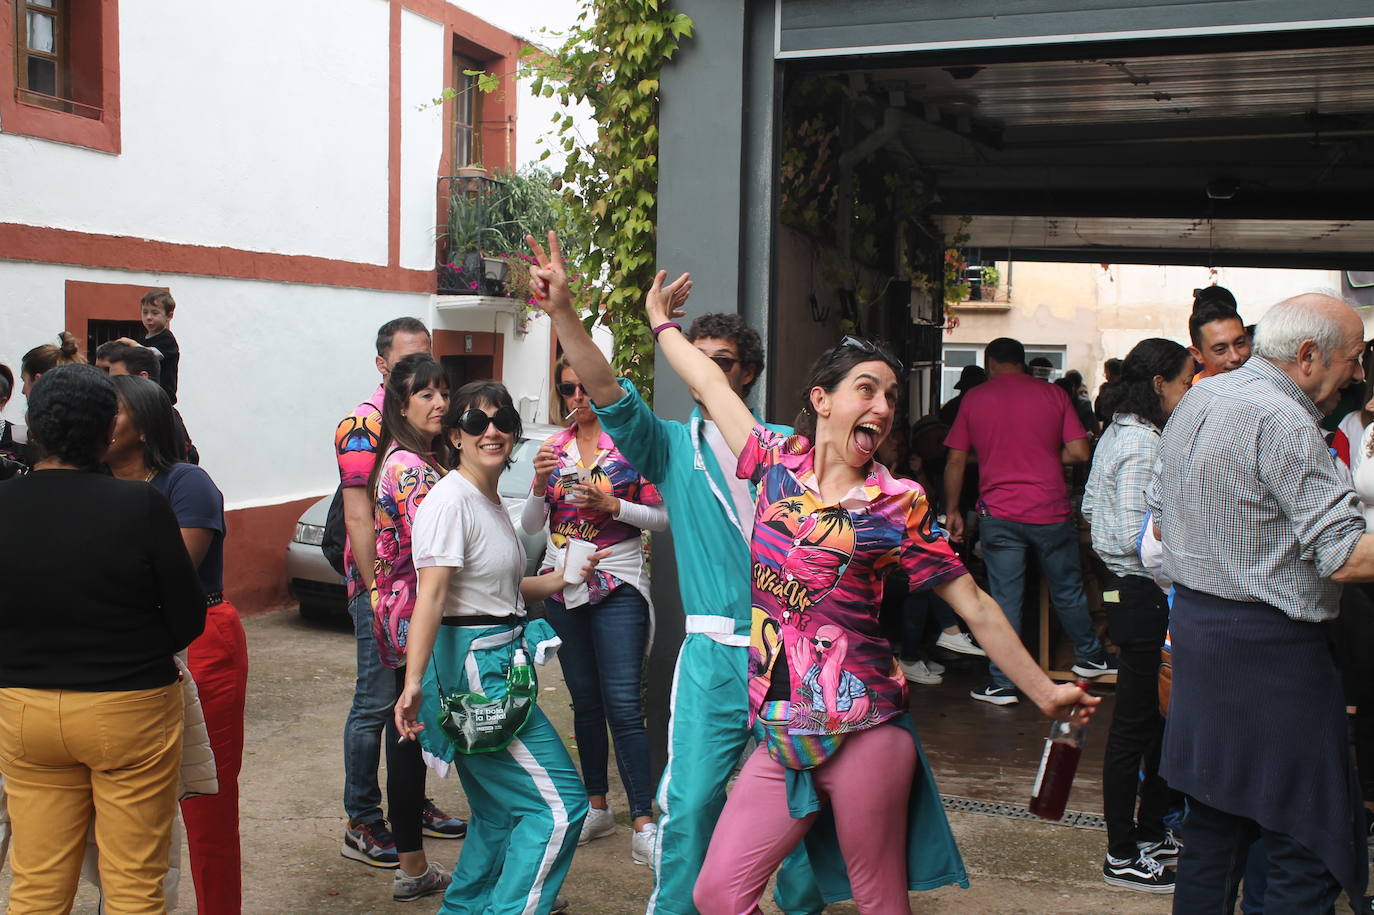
point(219, 662)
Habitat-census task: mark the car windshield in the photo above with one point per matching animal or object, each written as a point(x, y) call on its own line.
point(515, 482)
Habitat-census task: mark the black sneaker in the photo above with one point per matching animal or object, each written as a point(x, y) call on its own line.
point(1091, 670)
point(439, 825)
point(1165, 851)
point(1144, 874)
point(995, 695)
point(370, 843)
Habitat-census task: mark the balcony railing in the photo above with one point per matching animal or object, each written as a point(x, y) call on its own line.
point(468, 237)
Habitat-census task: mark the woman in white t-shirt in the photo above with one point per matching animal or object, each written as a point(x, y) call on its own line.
point(527, 801)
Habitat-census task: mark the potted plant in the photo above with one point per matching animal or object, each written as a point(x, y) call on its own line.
point(988, 281)
point(460, 269)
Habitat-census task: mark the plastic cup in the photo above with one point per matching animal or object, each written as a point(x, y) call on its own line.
point(575, 557)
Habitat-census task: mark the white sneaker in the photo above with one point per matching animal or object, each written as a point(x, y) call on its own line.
point(642, 844)
point(597, 825)
point(960, 643)
point(935, 667)
point(917, 672)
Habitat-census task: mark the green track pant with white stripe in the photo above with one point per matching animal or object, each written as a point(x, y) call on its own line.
point(527, 800)
point(708, 728)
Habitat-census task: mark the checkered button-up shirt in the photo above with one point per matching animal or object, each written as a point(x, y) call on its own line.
point(1247, 497)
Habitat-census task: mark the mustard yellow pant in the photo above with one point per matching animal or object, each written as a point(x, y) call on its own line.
point(69, 756)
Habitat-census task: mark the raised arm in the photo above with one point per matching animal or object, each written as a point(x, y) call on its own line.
point(708, 383)
point(549, 283)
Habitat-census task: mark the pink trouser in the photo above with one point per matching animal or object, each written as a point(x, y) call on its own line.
point(867, 785)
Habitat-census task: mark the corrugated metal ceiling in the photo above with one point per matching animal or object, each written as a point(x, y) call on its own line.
point(1253, 84)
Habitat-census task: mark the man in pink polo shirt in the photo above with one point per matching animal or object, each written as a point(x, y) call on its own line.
point(1023, 431)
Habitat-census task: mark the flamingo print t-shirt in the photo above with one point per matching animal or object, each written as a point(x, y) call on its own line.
point(818, 570)
point(404, 481)
point(355, 450)
point(610, 473)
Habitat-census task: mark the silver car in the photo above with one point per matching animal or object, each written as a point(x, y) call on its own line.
point(321, 591)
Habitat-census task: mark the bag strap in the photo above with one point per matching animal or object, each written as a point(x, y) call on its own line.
point(443, 690)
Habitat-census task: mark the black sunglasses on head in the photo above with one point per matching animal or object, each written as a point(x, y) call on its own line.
point(475, 422)
point(870, 348)
point(568, 388)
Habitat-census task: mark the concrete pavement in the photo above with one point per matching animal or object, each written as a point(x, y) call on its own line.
point(300, 686)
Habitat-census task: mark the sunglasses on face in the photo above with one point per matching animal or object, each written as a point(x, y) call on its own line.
point(822, 643)
point(727, 363)
point(868, 347)
point(568, 388)
point(475, 422)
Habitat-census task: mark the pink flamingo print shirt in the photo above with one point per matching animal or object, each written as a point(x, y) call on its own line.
point(818, 570)
point(402, 484)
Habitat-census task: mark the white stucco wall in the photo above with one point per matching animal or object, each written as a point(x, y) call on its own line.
point(267, 369)
point(246, 123)
point(422, 135)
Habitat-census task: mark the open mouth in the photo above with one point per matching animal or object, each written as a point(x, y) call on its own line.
point(492, 447)
point(865, 438)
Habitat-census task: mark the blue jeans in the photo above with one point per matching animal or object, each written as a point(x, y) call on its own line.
point(916, 611)
point(603, 664)
point(374, 695)
point(1005, 544)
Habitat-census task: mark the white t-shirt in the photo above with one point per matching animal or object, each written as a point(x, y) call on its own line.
point(739, 489)
point(1364, 477)
point(456, 526)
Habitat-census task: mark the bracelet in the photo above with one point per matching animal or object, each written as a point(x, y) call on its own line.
point(664, 326)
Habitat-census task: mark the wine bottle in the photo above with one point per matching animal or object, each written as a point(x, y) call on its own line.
point(1058, 763)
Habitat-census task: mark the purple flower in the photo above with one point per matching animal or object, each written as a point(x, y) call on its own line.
point(472, 285)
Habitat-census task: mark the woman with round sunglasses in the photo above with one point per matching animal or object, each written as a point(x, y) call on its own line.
point(470, 618)
point(830, 700)
point(145, 447)
point(415, 455)
point(585, 490)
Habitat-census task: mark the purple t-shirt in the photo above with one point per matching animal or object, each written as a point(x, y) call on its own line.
point(1018, 425)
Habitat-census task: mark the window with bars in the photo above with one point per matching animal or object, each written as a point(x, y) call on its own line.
point(467, 114)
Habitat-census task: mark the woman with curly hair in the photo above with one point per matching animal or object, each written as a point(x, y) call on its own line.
point(90, 708)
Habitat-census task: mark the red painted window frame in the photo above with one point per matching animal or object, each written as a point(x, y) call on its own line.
point(93, 46)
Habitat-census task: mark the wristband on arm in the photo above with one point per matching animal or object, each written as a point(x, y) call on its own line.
point(664, 326)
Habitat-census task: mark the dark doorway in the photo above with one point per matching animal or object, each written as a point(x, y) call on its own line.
point(462, 369)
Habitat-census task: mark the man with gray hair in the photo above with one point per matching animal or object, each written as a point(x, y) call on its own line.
point(1259, 532)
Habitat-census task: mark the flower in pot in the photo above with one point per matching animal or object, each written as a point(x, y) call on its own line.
point(989, 279)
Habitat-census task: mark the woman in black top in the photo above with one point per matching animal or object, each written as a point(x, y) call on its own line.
point(146, 446)
point(97, 595)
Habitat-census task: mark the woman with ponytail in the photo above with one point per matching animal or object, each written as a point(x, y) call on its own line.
point(1154, 378)
point(48, 356)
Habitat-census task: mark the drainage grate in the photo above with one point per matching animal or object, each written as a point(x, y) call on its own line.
point(1019, 812)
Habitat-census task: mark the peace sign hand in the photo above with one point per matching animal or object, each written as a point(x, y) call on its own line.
point(549, 277)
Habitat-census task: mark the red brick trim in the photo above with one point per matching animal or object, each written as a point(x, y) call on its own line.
point(98, 25)
point(42, 244)
point(255, 542)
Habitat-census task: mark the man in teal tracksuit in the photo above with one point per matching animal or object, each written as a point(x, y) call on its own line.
point(711, 513)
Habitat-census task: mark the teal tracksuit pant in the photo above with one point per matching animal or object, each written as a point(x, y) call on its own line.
point(527, 800)
point(708, 728)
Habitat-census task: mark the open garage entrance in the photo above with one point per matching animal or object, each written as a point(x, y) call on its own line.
point(1215, 151)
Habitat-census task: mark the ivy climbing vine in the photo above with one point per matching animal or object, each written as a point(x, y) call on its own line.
point(610, 60)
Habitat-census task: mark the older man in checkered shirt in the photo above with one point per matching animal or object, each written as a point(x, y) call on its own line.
point(1259, 531)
